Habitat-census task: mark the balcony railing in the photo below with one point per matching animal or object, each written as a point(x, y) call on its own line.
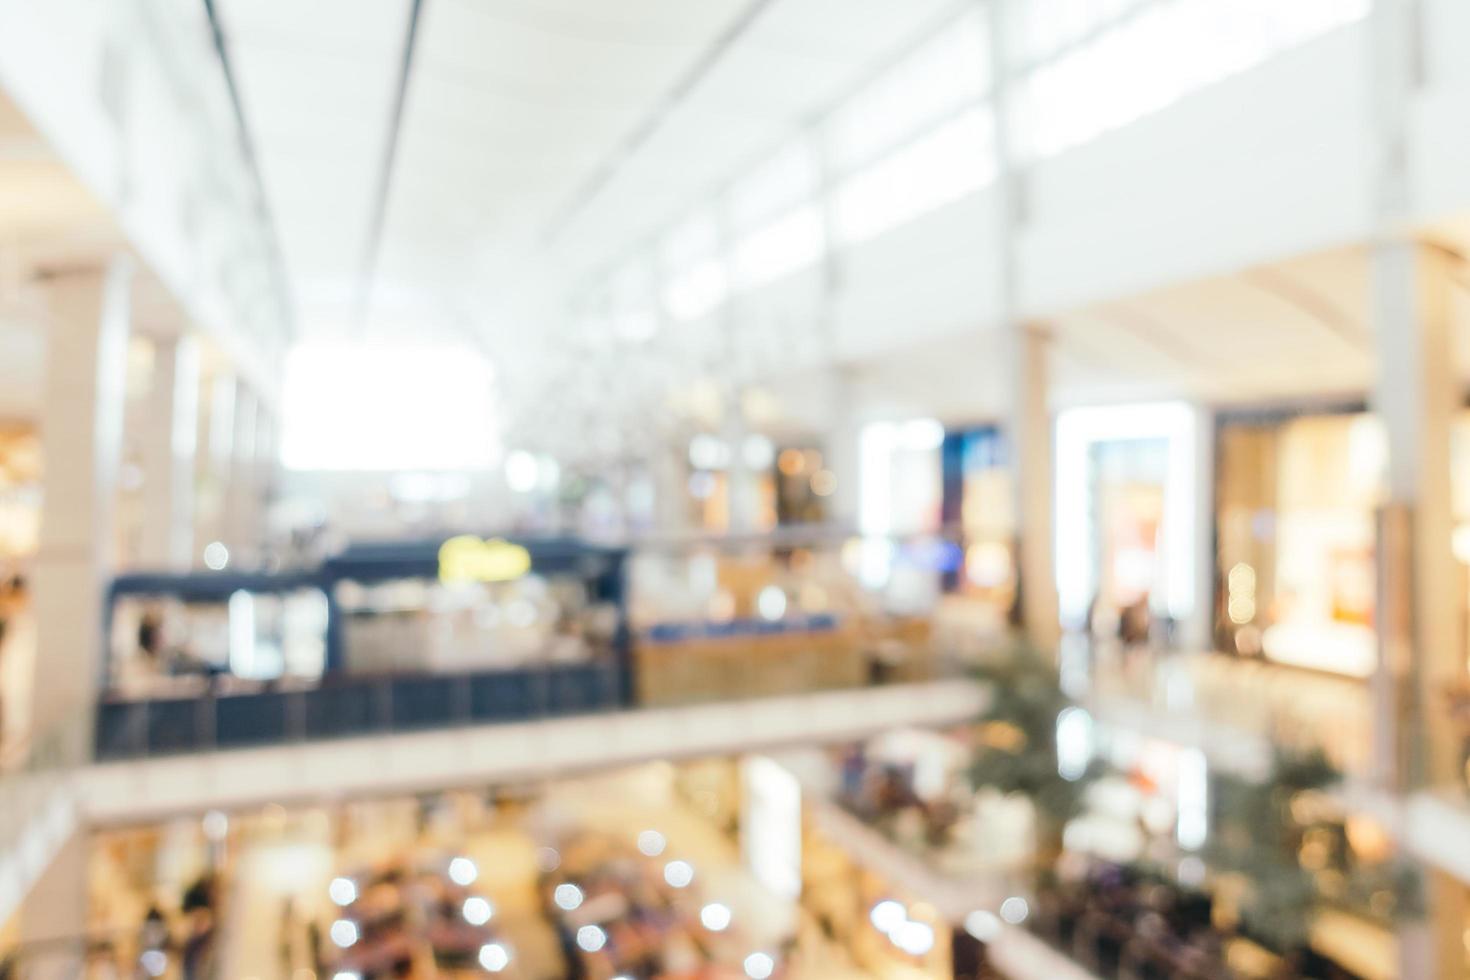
point(351, 706)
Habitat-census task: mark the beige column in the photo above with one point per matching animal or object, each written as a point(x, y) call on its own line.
point(844, 455)
point(53, 916)
point(169, 442)
point(1421, 639)
point(1025, 359)
point(1198, 633)
point(742, 489)
point(1423, 643)
point(243, 491)
point(1420, 607)
point(671, 489)
point(214, 465)
point(267, 462)
point(81, 439)
point(1032, 447)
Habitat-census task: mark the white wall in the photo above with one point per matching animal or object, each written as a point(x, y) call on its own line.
point(1264, 165)
point(131, 96)
point(1439, 161)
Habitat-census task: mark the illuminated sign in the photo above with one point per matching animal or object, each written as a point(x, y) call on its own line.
point(468, 559)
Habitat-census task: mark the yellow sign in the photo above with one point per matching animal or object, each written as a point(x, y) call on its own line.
point(468, 559)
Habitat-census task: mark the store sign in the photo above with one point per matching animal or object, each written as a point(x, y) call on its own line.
point(468, 559)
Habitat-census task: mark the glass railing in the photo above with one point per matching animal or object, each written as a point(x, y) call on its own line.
point(348, 707)
point(1291, 708)
point(682, 621)
point(353, 706)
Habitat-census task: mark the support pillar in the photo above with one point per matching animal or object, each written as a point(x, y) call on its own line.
point(214, 474)
point(53, 916)
point(1032, 448)
point(267, 459)
point(243, 492)
point(671, 490)
point(1415, 396)
point(844, 453)
point(1025, 347)
point(1198, 633)
point(172, 422)
point(742, 490)
point(81, 441)
point(1421, 639)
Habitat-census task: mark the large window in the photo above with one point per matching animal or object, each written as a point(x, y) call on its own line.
point(787, 244)
point(1125, 511)
point(774, 219)
point(946, 74)
point(385, 408)
point(953, 160)
point(633, 301)
point(695, 278)
point(1089, 66)
point(789, 178)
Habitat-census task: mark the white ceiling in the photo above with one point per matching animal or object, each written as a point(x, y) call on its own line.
point(538, 138)
point(542, 139)
point(1280, 333)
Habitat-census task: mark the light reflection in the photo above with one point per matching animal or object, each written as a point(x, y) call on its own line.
point(477, 911)
point(678, 874)
point(591, 938)
point(494, 957)
point(759, 966)
point(462, 871)
point(567, 896)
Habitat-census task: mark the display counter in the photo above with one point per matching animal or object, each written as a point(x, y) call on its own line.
point(383, 637)
point(791, 612)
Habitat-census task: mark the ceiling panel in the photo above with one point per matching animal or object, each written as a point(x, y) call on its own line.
point(795, 61)
point(317, 82)
point(513, 108)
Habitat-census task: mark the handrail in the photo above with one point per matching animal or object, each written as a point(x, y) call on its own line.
point(343, 707)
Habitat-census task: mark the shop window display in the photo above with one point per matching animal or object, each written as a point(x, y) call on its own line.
point(1296, 503)
point(164, 646)
point(978, 502)
point(1126, 502)
point(803, 486)
point(1128, 479)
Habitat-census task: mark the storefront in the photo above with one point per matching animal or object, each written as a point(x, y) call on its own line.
point(1297, 494)
point(804, 485)
point(735, 486)
point(978, 504)
point(901, 488)
point(389, 635)
point(1127, 502)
